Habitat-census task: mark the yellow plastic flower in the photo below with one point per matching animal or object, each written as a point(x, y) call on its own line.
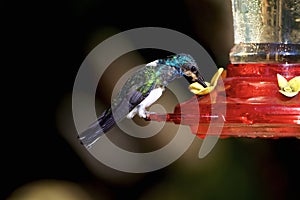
point(289, 88)
point(198, 89)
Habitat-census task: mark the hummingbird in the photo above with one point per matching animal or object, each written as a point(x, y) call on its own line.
point(140, 91)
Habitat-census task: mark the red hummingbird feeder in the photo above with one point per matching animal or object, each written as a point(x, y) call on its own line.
point(250, 100)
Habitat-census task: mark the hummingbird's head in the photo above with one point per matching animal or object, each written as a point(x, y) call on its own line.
point(187, 66)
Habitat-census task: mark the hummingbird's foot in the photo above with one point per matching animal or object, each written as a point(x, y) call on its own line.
point(148, 101)
point(142, 111)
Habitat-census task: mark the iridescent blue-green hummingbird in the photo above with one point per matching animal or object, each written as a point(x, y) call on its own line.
point(141, 90)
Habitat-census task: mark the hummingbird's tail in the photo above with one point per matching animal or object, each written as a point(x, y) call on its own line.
point(103, 124)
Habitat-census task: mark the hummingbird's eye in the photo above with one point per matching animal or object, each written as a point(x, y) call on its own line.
point(193, 69)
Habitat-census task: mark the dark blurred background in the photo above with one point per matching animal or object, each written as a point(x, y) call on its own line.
point(48, 41)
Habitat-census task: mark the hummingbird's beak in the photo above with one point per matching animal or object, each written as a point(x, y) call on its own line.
point(200, 80)
point(196, 76)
